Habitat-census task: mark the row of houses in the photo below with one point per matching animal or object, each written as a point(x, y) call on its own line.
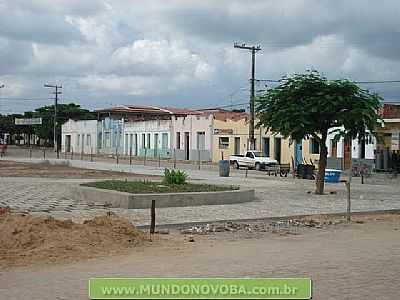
point(208, 135)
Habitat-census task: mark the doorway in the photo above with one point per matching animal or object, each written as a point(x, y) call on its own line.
point(266, 146)
point(347, 154)
point(67, 143)
point(298, 153)
point(187, 151)
point(155, 144)
point(333, 148)
point(278, 146)
point(237, 145)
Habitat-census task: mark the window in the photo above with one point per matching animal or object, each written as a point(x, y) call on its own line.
point(314, 146)
point(88, 140)
point(201, 140)
point(249, 155)
point(148, 141)
point(178, 140)
point(164, 141)
point(223, 142)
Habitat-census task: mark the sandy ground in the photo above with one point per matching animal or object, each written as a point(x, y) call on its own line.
point(358, 260)
point(21, 169)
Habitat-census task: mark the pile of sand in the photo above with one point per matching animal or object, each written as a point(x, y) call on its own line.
point(26, 238)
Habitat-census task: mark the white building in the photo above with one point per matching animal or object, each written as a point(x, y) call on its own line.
point(79, 136)
point(340, 152)
point(192, 136)
point(148, 138)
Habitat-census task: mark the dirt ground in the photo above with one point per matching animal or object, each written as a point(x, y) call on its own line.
point(357, 260)
point(27, 239)
point(20, 169)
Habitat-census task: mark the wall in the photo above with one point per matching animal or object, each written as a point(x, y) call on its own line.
point(150, 128)
point(231, 129)
point(192, 124)
point(110, 136)
point(86, 130)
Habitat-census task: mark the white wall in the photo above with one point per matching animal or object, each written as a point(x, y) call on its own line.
point(370, 147)
point(193, 124)
point(151, 127)
point(86, 131)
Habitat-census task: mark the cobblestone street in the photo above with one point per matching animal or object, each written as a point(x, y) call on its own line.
point(275, 197)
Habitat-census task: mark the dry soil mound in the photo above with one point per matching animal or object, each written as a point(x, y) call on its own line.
point(26, 238)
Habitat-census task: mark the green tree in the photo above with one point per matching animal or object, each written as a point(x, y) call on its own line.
point(308, 105)
point(45, 131)
point(64, 113)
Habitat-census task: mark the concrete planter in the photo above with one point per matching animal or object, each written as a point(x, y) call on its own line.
point(126, 200)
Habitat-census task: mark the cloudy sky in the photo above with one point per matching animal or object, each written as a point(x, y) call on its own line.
point(180, 52)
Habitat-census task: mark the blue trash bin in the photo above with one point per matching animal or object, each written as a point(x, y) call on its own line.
point(332, 175)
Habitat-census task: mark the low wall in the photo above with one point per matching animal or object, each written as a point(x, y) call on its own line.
point(126, 200)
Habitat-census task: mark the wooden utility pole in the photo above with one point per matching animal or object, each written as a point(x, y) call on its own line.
point(56, 87)
point(253, 50)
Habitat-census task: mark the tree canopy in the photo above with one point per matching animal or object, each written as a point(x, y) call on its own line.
point(309, 105)
point(45, 131)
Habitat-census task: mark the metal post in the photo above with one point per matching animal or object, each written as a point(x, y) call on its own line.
point(58, 153)
point(145, 154)
point(91, 154)
point(44, 153)
point(348, 183)
point(159, 160)
point(117, 157)
point(153, 217)
point(130, 156)
point(174, 159)
point(199, 159)
point(72, 153)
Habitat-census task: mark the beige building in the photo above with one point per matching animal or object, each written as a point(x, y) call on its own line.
point(230, 136)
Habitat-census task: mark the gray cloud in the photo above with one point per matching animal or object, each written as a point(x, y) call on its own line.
point(180, 52)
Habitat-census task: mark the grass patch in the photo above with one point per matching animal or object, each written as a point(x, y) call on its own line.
point(149, 187)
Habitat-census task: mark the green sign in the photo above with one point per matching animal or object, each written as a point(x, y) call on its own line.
point(199, 288)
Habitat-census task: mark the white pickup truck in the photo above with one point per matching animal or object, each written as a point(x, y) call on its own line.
point(252, 159)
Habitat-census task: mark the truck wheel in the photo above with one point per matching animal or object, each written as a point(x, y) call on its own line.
point(236, 165)
point(258, 167)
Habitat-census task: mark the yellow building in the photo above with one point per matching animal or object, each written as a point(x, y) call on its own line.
point(231, 136)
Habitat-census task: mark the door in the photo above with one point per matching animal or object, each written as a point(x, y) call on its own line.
point(187, 151)
point(278, 152)
point(67, 143)
point(131, 144)
point(155, 144)
point(333, 148)
point(237, 145)
point(298, 153)
point(126, 144)
point(266, 146)
point(347, 154)
point(135, 145)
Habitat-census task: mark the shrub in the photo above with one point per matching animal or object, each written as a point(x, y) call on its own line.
point(175, 177)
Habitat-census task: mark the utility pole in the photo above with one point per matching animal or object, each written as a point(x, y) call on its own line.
point(253, 50)
point(56, 87)
point(1, 86)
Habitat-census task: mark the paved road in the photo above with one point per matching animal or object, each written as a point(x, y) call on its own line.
point(275, 197)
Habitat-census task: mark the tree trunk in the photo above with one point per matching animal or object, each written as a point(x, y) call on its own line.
point(323, 156)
